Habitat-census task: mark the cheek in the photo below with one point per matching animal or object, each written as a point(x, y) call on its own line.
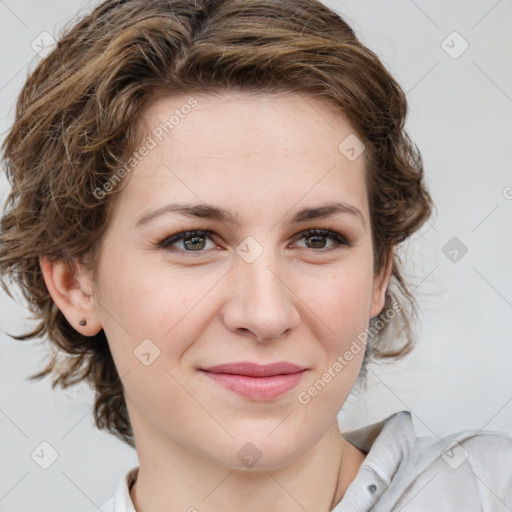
point(341, 313)
point(138, 302)
point(341, 299)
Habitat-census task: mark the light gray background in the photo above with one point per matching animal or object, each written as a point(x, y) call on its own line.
point(459, 375)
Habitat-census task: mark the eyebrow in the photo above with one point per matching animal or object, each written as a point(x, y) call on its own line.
point(208, 211)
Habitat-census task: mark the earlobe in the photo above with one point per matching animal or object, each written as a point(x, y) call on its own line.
point(71, 292)
point(380, 285)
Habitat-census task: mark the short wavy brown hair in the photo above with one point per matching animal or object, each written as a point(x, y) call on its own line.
point(78, 115)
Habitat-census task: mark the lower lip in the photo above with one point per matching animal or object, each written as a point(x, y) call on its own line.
point(257, 388)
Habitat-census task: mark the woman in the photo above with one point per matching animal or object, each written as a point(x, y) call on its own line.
point(206, 201)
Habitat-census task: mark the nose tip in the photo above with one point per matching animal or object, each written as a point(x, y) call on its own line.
point(261, 302)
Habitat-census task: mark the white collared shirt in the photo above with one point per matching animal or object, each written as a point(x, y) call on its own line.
point(468, 471)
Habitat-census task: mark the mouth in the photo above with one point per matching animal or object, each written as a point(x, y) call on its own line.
point(258, 382)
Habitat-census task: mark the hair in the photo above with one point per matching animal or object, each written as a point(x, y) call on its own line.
point(78, 116)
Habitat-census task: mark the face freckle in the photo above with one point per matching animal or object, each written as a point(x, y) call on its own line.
point(262, 158)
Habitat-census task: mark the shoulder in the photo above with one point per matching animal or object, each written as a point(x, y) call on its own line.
point(482, 452)
point(481, 442)
point(469, 470)
point(488, 455)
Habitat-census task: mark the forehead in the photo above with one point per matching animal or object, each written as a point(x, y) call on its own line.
point(286, 121)
point(238, 147)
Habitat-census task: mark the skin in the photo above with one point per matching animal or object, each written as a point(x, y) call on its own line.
point(302, 300)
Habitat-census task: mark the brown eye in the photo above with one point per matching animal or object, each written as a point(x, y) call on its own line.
point(316, 239)
point(193, 241)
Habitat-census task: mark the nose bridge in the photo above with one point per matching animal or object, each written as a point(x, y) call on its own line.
point(263, 278)
point(263, 284)
point(263, 303)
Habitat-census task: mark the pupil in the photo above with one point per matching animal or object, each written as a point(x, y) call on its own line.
point(320, 244)
point(194, 241)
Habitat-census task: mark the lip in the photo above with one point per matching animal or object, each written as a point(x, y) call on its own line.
point(256, 370)
point(258, 382)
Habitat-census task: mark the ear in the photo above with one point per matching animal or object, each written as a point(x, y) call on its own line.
point(380, 285)
point(70, 288)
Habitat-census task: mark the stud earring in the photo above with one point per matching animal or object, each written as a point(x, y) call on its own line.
point(83, 322)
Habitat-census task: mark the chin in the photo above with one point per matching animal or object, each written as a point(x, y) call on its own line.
point(256, 455)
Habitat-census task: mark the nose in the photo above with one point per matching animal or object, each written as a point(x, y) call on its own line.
point(261, 301)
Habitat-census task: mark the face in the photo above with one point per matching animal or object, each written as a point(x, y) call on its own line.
point(250, 286)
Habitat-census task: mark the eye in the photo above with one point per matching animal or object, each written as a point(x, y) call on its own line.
point(193, 241)
point(317, 237)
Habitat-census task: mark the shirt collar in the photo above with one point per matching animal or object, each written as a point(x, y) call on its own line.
point(122, 499)
point(386, 444)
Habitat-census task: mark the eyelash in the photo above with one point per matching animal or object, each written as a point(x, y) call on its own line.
point(339, 240)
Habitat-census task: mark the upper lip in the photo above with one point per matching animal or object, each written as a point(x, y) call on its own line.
point(256, 370)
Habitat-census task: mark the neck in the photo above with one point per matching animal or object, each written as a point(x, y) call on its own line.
point(188, 481)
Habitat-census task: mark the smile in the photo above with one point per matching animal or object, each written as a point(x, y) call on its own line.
point(257, 388)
